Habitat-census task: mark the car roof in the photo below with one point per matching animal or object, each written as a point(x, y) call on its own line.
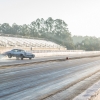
point(18, 49)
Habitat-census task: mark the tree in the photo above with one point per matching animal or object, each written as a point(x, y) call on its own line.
point(5, 28)
point(15, 29)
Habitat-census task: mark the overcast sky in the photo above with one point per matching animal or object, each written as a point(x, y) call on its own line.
point(82, 16)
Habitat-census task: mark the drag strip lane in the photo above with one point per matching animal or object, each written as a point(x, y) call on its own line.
point(37, 81)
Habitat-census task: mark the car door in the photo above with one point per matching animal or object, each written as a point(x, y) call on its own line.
point(18, 53)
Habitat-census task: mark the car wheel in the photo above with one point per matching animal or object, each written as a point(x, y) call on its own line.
point(21, 56)
point(9, 55)
point(33, 56)
point(30, 58)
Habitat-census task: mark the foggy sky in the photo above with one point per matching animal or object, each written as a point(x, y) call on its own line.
point(82, 16)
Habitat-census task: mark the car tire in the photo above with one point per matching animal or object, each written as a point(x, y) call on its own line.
point(9, 55)
point(21, 56)
point(33, 56)
point(30, 58)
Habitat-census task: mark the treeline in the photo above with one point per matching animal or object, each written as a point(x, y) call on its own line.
point(87, 43)
point(52, 30)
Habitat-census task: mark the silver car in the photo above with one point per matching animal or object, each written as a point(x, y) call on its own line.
point(19, 53)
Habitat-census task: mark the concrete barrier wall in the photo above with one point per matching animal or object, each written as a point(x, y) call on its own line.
point(92, 93)
point(95, 96)
point(64, 53)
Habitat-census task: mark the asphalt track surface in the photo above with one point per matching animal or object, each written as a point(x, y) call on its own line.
point(47, 81)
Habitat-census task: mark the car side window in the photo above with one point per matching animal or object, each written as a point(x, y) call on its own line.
point(19, 51)
point(16, 50)
point(13, 50)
